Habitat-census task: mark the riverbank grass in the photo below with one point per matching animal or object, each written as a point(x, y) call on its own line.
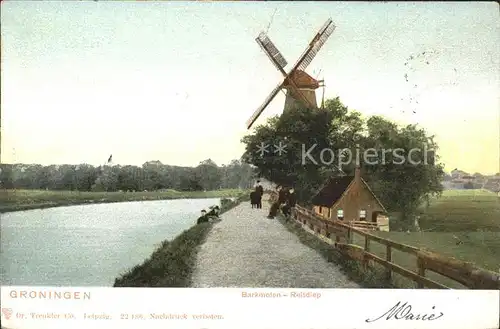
point(172, 264)
point(17, 200)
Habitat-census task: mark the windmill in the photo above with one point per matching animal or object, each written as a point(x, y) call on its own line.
point(300, 87)
point(322, 85)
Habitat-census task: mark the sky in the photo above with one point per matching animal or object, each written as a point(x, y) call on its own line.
point(177, 81)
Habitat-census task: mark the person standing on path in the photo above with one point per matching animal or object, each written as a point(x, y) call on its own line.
point(275, 207)
point(283, 195)
point(260, 192)
point(290, 204)
point(253, 199)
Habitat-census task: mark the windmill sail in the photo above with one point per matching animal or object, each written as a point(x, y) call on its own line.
point(306, 95)
point(271, 51)
point(268, 100)
point(315, 45)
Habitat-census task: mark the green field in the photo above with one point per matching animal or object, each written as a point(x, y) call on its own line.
point(462, 211)
point(14, 200)
point(461, 224)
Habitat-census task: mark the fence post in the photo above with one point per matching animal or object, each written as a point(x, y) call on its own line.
point(421, 270)
point(367, 249)
point(349, 235)
point(388, 257)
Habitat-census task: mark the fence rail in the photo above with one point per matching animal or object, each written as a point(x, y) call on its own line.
point(341, 235)
point(364, 225)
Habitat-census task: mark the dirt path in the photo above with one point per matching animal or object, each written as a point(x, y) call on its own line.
point(246, 249)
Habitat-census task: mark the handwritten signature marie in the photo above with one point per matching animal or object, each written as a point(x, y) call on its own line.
point(404, 312)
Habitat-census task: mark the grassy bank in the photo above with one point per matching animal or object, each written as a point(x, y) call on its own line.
point(17, 200)
point(172, 264)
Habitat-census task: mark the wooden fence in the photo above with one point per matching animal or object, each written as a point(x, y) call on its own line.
point(364, 225)
point(341, 236)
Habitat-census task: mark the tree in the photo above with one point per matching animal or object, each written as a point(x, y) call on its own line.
point(208, 174)
point(127, 179)
point(6, 179)
point(237, 174)
point(152, 175)
point(311, 138)
point(338, 134)
point(406, 173)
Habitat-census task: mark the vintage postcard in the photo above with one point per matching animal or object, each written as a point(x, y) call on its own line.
point(262, 164)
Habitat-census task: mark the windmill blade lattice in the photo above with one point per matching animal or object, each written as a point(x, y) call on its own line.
point(314, 47)
point(261, 108)
point(271, 51)
point(299, 85)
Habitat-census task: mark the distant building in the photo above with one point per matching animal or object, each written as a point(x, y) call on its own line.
point(492, 184)
point(458, 174)
point(462, 180)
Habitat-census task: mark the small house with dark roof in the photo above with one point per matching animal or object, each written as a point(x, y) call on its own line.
point(349, 198)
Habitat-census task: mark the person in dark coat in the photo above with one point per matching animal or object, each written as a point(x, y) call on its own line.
point(254, 199)
point(282, 195)
point(275, 207)
point(203, 218)
point(260, 192)
point(289, 204)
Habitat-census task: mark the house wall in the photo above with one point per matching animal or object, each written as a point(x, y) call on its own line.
point(321, 211)
point(357, 198)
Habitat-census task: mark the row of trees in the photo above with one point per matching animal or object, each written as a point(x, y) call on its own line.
point(152, 175)
point(335, 130)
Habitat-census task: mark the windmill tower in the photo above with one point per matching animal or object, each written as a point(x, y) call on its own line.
point(300, 87)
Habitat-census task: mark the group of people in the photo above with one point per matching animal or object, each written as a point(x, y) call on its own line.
point(256, 196)
point(212, 215)
point(286, 202)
